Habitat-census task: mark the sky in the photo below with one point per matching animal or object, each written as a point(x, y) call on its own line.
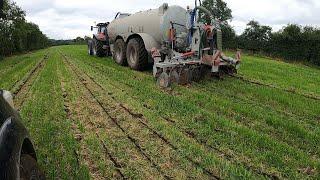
point(68, 19)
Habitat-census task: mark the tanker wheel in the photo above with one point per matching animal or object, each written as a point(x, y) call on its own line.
point(90, 48)
point(119, 54)
point(29, 168)
point(137, 54)
point(99, 49)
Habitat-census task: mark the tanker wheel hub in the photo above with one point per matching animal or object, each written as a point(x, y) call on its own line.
point(132, 55)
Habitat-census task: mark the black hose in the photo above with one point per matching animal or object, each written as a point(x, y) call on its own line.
point(203, 9)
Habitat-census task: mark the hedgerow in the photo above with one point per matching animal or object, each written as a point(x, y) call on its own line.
point(16, 34)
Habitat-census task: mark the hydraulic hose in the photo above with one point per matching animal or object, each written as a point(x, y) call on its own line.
point(193, 16)
point(203, 9)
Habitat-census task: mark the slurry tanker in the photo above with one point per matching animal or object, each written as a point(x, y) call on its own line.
point(173, 39)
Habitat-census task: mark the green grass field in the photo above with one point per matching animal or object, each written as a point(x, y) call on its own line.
point(90, 118)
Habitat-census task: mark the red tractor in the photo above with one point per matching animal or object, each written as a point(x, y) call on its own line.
point(99, 45)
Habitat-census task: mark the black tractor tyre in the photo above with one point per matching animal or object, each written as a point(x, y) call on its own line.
point(119, 54)
point(99, 48)
point(137, 55)
point(29, 168)
point(90, 48)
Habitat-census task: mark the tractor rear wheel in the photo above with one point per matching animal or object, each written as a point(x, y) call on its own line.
point(99, 48)
point(137, 54)
point(119, 54)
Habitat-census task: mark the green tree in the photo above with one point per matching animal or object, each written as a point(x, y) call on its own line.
point(256, 37)
point(17, 35)
point(229, 37)
point(219, 10)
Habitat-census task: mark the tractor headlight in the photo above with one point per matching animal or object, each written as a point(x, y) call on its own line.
point(8, 97)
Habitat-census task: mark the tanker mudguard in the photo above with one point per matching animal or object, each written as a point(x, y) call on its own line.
point(149, 41)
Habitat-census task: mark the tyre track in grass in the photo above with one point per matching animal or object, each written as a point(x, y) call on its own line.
point(69, 115)
point(115, 123)
point(130, 86)
point(18, 85)
point(44, 116)
point(110, 156)
point(100, 68)
point(143, 122)
point(131, 122)
point(79, 136)
point(241, 99)
point(228, 156)
point(279, 129)
point(189, 135)
point(22, 88)
point(110, 164)
point(225, 154)
point(259, 83)
point(249, 101)
point(15, 62)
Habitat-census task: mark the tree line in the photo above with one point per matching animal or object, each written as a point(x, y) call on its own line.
point(16, 34)
point(76, 41)
point(293, 42)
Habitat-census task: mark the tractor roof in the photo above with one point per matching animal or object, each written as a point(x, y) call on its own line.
point(102, 24)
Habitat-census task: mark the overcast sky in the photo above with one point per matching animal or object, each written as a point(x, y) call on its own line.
point(65, 19)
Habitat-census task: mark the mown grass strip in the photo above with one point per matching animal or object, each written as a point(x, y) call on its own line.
point(22, 89)
point(149, 140)
point(93, 152)
point(11, 62)
point(295, 132)
point(209, 160)
point(44, 116)
point(277, 101)
point(249, 136)
point(120, 144)
point(9, 79)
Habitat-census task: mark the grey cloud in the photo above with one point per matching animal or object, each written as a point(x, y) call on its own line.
point(71, 18)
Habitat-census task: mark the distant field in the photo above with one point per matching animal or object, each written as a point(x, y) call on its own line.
point(90, 118)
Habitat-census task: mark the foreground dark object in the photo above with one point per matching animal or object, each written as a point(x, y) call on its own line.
point(17, 155)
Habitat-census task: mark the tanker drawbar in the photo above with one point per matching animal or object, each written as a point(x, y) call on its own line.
point(181, 48)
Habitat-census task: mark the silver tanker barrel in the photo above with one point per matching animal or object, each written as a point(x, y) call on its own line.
point(155, 23)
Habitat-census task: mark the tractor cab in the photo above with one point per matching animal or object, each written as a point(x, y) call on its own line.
point(101, 30)
point(99, 45)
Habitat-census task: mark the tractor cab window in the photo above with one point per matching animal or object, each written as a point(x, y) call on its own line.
point(101, 29)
